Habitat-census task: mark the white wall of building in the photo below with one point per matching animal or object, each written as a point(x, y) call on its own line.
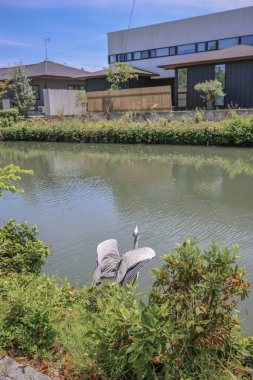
point(61, 103)
point(234, 23)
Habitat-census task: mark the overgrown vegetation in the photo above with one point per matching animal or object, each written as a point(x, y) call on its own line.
point(236, 131)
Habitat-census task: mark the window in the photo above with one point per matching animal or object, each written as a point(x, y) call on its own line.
point(182, 80)
point(36, 91)
point(186, 49)
point(212, 45)
point(122, 57)
point(129, 57)
point(153, 53)
point(144, 54)
point(137, 55)
point(247, 40)
point(220, 75)
point(76, 87)
point(182, 88)
point(112, 58)
point(173, 50)
point(201, 46)
point(228, 42)
point(162, 52)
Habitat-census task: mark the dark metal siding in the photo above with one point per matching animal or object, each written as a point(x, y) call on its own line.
point(197, 74)
point(239, 83)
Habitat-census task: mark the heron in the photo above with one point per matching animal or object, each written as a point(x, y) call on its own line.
point(111, 268)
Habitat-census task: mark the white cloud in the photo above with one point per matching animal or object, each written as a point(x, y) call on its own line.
point(12, 42)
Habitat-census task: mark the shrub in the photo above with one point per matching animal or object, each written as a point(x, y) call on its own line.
point(11, 113)
point(31, 307)
point(20, 250)
point(210, 89)
point(198, 117)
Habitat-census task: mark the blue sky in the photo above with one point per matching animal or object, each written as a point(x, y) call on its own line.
point(78, 28)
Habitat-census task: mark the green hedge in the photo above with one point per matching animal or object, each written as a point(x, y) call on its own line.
point(234, 132)
point(7, 117)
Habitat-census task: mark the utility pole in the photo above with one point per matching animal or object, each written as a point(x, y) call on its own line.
point(46, 41)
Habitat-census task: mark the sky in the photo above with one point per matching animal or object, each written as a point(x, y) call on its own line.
point(78, 28)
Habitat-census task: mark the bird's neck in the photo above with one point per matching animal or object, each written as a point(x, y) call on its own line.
point(136, 243)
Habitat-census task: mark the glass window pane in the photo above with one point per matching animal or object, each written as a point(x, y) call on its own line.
point(137, 55)
point(122, 57)
point(182, 80)
point(182, 100)
point(247, 40)
point(201, 46)
point(162, 52)
point(219, 101)
point(153, 53)
point(220, 72)
point(212, 45)
point(112, 58)
point(144, 54)
point(129, 57)
point(186, 49)
point(36, 91)
point(172, 50)
point(228, 42)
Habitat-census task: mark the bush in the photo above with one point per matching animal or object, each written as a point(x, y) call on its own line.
point(187, 330)
point(31, 308)
point(7, 117)
point(232, 132)
point(20, 250)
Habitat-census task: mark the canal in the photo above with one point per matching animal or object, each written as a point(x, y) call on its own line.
point(82, 194)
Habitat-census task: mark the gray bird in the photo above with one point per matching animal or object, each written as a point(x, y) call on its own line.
point(112, 269)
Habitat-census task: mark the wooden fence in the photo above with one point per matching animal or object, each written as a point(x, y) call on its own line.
point(137, 99)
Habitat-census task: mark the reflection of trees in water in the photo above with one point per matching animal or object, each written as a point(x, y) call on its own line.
point(152, 171)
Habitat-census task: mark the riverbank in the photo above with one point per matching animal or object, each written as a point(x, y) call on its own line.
point(236, 131)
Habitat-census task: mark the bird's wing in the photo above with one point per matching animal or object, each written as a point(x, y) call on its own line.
point(108, 259)
point(131, 259)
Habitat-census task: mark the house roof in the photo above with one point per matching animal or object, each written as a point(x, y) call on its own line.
point(45, 69)
point(235, 53)
point(103, 73)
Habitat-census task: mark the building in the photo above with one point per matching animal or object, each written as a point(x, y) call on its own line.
point(193, 50)
point(49, 75)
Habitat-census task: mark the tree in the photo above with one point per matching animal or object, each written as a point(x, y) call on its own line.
point(11, 173)
point(82, 101)
point(210, 89)
point(24, 97)
point(120, 74)
point(4, 86)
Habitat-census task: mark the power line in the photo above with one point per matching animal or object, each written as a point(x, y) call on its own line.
point(131, 15)
point(129, 24)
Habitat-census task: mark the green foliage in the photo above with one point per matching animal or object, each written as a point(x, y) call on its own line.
point(231, 132)
point(198, 117)
point(20, 250)
point(210, 89)
point(24, 97)
point(120, 74)
point(11, 173)
point(82, 100)
point(7, 117)
point(31, 307)
point(5, 85)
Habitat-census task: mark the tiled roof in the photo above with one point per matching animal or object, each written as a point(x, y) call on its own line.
point(235, 53)
point(46, 69)
point(102, 73)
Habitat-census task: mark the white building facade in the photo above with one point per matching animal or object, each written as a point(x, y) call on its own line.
point(151, 46)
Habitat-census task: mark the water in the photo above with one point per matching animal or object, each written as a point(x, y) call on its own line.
point(82, 194)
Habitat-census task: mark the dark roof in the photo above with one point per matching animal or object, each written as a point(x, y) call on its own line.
point(235, 53)
point(102, 73)
point(45, 69)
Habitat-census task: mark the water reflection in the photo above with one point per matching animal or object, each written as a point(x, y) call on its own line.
point(82, 194)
